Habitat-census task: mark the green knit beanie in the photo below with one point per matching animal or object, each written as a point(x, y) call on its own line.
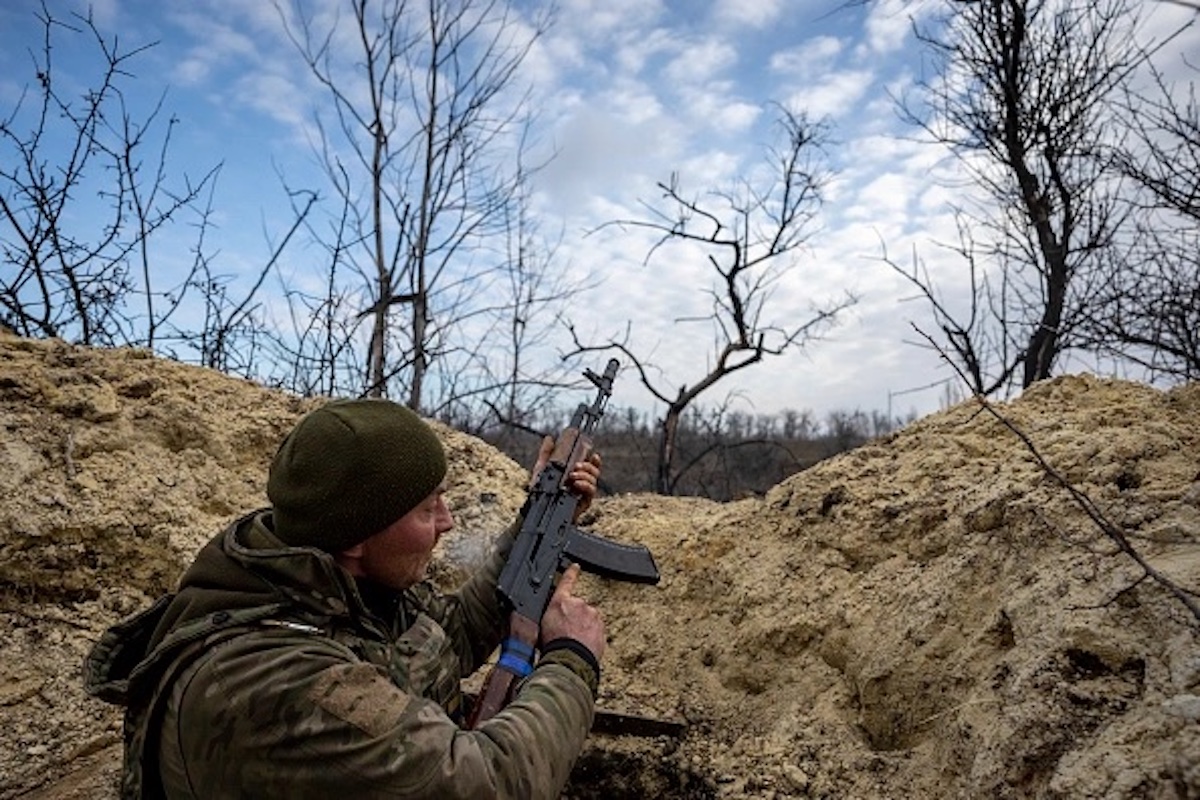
point(350, 469)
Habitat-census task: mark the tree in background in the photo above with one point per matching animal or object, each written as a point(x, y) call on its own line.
point(748, 237)
point(83, 190)
point(1151, 311)
point(418, 147)
point(1023, 94)
point(723, 454)
point(85, 195)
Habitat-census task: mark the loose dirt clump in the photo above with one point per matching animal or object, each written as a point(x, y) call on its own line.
point(927, 616)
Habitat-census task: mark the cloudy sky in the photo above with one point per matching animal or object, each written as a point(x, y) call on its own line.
point(629, 92)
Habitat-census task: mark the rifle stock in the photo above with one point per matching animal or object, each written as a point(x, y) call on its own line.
point(546, 543)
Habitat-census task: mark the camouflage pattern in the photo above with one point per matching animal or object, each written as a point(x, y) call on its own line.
point(269, 675)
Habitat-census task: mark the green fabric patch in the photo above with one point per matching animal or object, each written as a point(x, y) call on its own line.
point(353, 693)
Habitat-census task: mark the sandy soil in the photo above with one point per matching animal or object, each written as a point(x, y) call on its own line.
point(929, 616)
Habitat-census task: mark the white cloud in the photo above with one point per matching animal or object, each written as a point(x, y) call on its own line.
point(633, 102)
point(714, 108)
point(552, 58)
point(217, 40)
point(811, 58)
point(893, 188)
point(870, 153)
point(636, 49)
point(603, 144)
point(595, 20)
point(699, 62)
point(712, 169)
point(750, 13)
point(277, 96)
point(192, 70)
point(217, 47)
point(834, 94)
point(886, 196)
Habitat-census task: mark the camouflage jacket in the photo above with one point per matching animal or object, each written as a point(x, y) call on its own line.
point(268, 674)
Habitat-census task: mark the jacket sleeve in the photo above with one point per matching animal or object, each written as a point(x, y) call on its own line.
point(471, 616)
point(284, 714)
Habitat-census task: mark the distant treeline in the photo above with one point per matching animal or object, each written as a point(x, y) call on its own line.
point(721, 455)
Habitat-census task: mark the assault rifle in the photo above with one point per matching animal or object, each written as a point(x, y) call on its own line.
point(549, 542)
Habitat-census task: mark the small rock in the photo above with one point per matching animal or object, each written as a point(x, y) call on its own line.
point(795, 777)
point(1186, 706)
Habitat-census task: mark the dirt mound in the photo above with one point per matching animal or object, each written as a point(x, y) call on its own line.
point(926, 616)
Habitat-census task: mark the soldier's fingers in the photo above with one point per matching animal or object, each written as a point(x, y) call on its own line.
point(566, 584)
point(585, 473)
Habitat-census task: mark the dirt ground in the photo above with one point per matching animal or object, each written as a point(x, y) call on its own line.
point(928, 616)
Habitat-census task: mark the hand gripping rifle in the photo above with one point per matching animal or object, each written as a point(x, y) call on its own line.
point(549, 542)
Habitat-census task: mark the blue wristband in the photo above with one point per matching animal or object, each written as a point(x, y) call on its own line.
point(516, 657)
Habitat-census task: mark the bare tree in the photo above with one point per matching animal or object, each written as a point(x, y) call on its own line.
point(1023, 94)
point(80, 203)
point(1152, 312)
point(750, 236)
point(426, 110)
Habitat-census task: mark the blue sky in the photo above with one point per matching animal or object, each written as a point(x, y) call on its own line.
point(629, 92)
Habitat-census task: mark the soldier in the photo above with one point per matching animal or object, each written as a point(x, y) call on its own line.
point(305, 655)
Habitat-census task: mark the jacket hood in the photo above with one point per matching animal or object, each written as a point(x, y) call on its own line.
point(241, 576)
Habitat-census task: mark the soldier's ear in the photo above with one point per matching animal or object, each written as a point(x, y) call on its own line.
point(350, 560)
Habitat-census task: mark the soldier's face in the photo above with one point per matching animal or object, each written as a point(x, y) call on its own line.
point(399, 555)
